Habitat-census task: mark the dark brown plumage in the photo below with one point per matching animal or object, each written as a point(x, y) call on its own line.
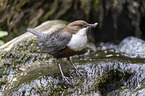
point(66, 42)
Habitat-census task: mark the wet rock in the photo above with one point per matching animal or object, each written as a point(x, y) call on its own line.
point(26, 71)
point(106, 76)
point(132, 47)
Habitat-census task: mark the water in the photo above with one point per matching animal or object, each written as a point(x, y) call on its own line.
point(109, 71)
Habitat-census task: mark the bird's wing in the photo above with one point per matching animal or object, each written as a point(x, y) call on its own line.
point(55, 42)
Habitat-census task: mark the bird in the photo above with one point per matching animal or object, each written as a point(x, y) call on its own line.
point(66, 42)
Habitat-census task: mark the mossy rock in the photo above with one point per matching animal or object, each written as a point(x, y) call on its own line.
point(26, 71)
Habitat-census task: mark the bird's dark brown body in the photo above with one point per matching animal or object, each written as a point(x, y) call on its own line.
point(66, 52)
point(67, 42)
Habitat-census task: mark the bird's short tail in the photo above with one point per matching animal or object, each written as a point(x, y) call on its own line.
point(40, 35)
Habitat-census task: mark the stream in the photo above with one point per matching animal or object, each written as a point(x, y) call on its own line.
point(113, 70)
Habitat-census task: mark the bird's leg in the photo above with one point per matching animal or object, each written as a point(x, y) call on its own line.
point(64, 77)
point(74, 66)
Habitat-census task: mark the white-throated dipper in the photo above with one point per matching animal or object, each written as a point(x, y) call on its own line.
point(66, 42)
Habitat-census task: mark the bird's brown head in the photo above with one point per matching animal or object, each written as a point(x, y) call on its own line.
point(75, 26)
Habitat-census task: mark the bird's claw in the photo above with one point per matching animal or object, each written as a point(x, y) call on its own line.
point(66, 79)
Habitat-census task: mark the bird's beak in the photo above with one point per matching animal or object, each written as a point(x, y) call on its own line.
point(92, 25)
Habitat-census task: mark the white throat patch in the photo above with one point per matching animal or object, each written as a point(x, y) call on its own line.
point(78, 40)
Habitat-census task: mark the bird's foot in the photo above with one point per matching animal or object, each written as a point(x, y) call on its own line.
point(66, 79)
